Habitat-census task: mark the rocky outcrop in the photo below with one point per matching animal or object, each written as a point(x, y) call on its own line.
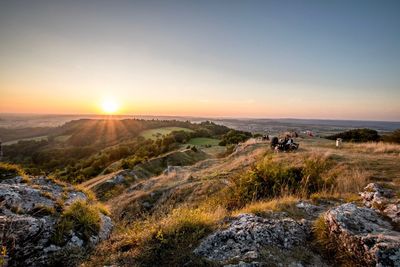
point(250, 238)
point(362, 235)
point(29, 213)
point(382, 200)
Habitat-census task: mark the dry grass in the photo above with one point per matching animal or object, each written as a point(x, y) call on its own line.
point(89, 193)
point(374, 147)
point(352, 180)
point(167, 234)
point(321, 232)
point(159, 240)
point(79, 216)
point(8, 170)
point(263, 208)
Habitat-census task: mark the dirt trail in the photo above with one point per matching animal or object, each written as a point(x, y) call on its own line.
point(98, 180)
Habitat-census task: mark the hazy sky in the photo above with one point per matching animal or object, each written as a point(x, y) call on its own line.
point(304, 59)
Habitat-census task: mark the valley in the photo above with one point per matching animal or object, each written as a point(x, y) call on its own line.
point(171, 187)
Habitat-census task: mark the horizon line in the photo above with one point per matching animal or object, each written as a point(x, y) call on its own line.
point(198, 117)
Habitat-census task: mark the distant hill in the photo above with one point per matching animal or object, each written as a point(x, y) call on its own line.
point(81, 149)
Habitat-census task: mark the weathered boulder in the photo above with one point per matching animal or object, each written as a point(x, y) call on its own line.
point(382, 200)
point(363, 235)
point(248, 236)
point(29, 213)
point(375, 195)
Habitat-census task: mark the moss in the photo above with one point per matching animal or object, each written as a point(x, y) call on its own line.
point(80, 217)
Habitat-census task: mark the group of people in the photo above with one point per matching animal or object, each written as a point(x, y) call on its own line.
point(285, 144)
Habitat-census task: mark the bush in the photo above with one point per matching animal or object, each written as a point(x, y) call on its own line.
point(271, 178)
point(80, 217)
point(393, 137)
point(234, 137)
point(357, 135)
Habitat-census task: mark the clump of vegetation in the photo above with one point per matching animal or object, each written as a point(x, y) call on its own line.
point(329, 246)
point(321, 232)
point(167, 240)
point(393, 137)
point(8, 171)
point(89, 193)
point(357, 135)
point(234, 137)
point(80, 217)
point(42, 210)
point(273, 178)
point(265, 207)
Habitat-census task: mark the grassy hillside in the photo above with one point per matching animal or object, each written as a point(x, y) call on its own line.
point(164, 217)
point(203, 141)
point(82, 149)
point(37, 138)
point(160, 132)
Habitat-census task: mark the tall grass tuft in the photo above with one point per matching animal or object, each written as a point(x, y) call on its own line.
point(81, 217)
point(8, 170)
point(276, 177)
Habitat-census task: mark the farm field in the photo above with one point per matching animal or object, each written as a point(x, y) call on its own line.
point(203, 141)
point(62, 138)
point(37, 138)
point(159, 132)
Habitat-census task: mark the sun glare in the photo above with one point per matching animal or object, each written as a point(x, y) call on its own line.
point(109, 106)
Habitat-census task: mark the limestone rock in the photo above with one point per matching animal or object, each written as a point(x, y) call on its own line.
point(249, 237)
point(382, 200)
point(375, 195)
point(28, 216)
point(362, 233)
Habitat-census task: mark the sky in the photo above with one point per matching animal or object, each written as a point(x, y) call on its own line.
point(262, 59)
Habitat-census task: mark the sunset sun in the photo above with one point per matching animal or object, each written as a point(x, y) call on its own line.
point(109, 106)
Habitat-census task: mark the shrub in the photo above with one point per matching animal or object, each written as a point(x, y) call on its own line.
point(393, 137)
point(234, 137)
point(80, 217)
point(357, 135)
point(272, 178)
